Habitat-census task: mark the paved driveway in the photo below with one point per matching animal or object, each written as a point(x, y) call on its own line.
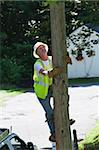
point(84, 107)
point(26, 116)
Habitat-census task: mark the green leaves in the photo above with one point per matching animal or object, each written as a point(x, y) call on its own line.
point(25, 22)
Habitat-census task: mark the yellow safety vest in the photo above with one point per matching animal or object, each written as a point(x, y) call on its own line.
point(41, 82)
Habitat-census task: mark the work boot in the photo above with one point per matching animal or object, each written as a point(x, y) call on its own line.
point(52, 137)
point(72, 121)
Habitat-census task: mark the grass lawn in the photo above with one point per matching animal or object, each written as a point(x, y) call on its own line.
point(82, 81)
point(91, 141)
point(6, 94)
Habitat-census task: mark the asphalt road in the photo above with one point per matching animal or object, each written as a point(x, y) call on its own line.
point(26, 117)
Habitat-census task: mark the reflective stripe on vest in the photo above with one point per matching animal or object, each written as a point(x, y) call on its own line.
point(41, 82)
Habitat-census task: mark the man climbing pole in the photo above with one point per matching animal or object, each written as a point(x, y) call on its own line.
point(43, 74)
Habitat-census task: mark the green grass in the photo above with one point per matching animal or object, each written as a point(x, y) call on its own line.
point(6, 94)
point(91, 141)
point(81, 81)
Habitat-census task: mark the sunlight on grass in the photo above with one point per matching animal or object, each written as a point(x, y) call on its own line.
point(91, 140)
point(6, 94)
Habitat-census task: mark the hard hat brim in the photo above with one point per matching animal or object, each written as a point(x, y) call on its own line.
point(36, 46)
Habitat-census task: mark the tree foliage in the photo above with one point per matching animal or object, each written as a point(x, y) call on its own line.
point(22, 23)
point(16, 48)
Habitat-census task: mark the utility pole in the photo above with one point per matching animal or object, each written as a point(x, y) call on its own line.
point(60, 83)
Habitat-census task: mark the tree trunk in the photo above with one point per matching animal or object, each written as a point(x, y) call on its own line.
point(60, 83)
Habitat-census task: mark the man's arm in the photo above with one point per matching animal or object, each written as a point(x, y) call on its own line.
point(53, 73)
point(44, 72)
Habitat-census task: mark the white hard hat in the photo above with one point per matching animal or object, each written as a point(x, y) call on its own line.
point(36, 46)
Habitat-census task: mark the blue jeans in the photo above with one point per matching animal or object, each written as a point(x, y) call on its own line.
point(49, 113)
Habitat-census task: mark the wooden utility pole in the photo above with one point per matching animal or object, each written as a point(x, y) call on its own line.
point(60, 83)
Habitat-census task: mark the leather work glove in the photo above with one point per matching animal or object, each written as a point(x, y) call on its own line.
point(56, 71)
point(68, 59)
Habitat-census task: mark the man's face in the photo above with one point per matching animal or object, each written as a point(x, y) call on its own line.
point(41, 51)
